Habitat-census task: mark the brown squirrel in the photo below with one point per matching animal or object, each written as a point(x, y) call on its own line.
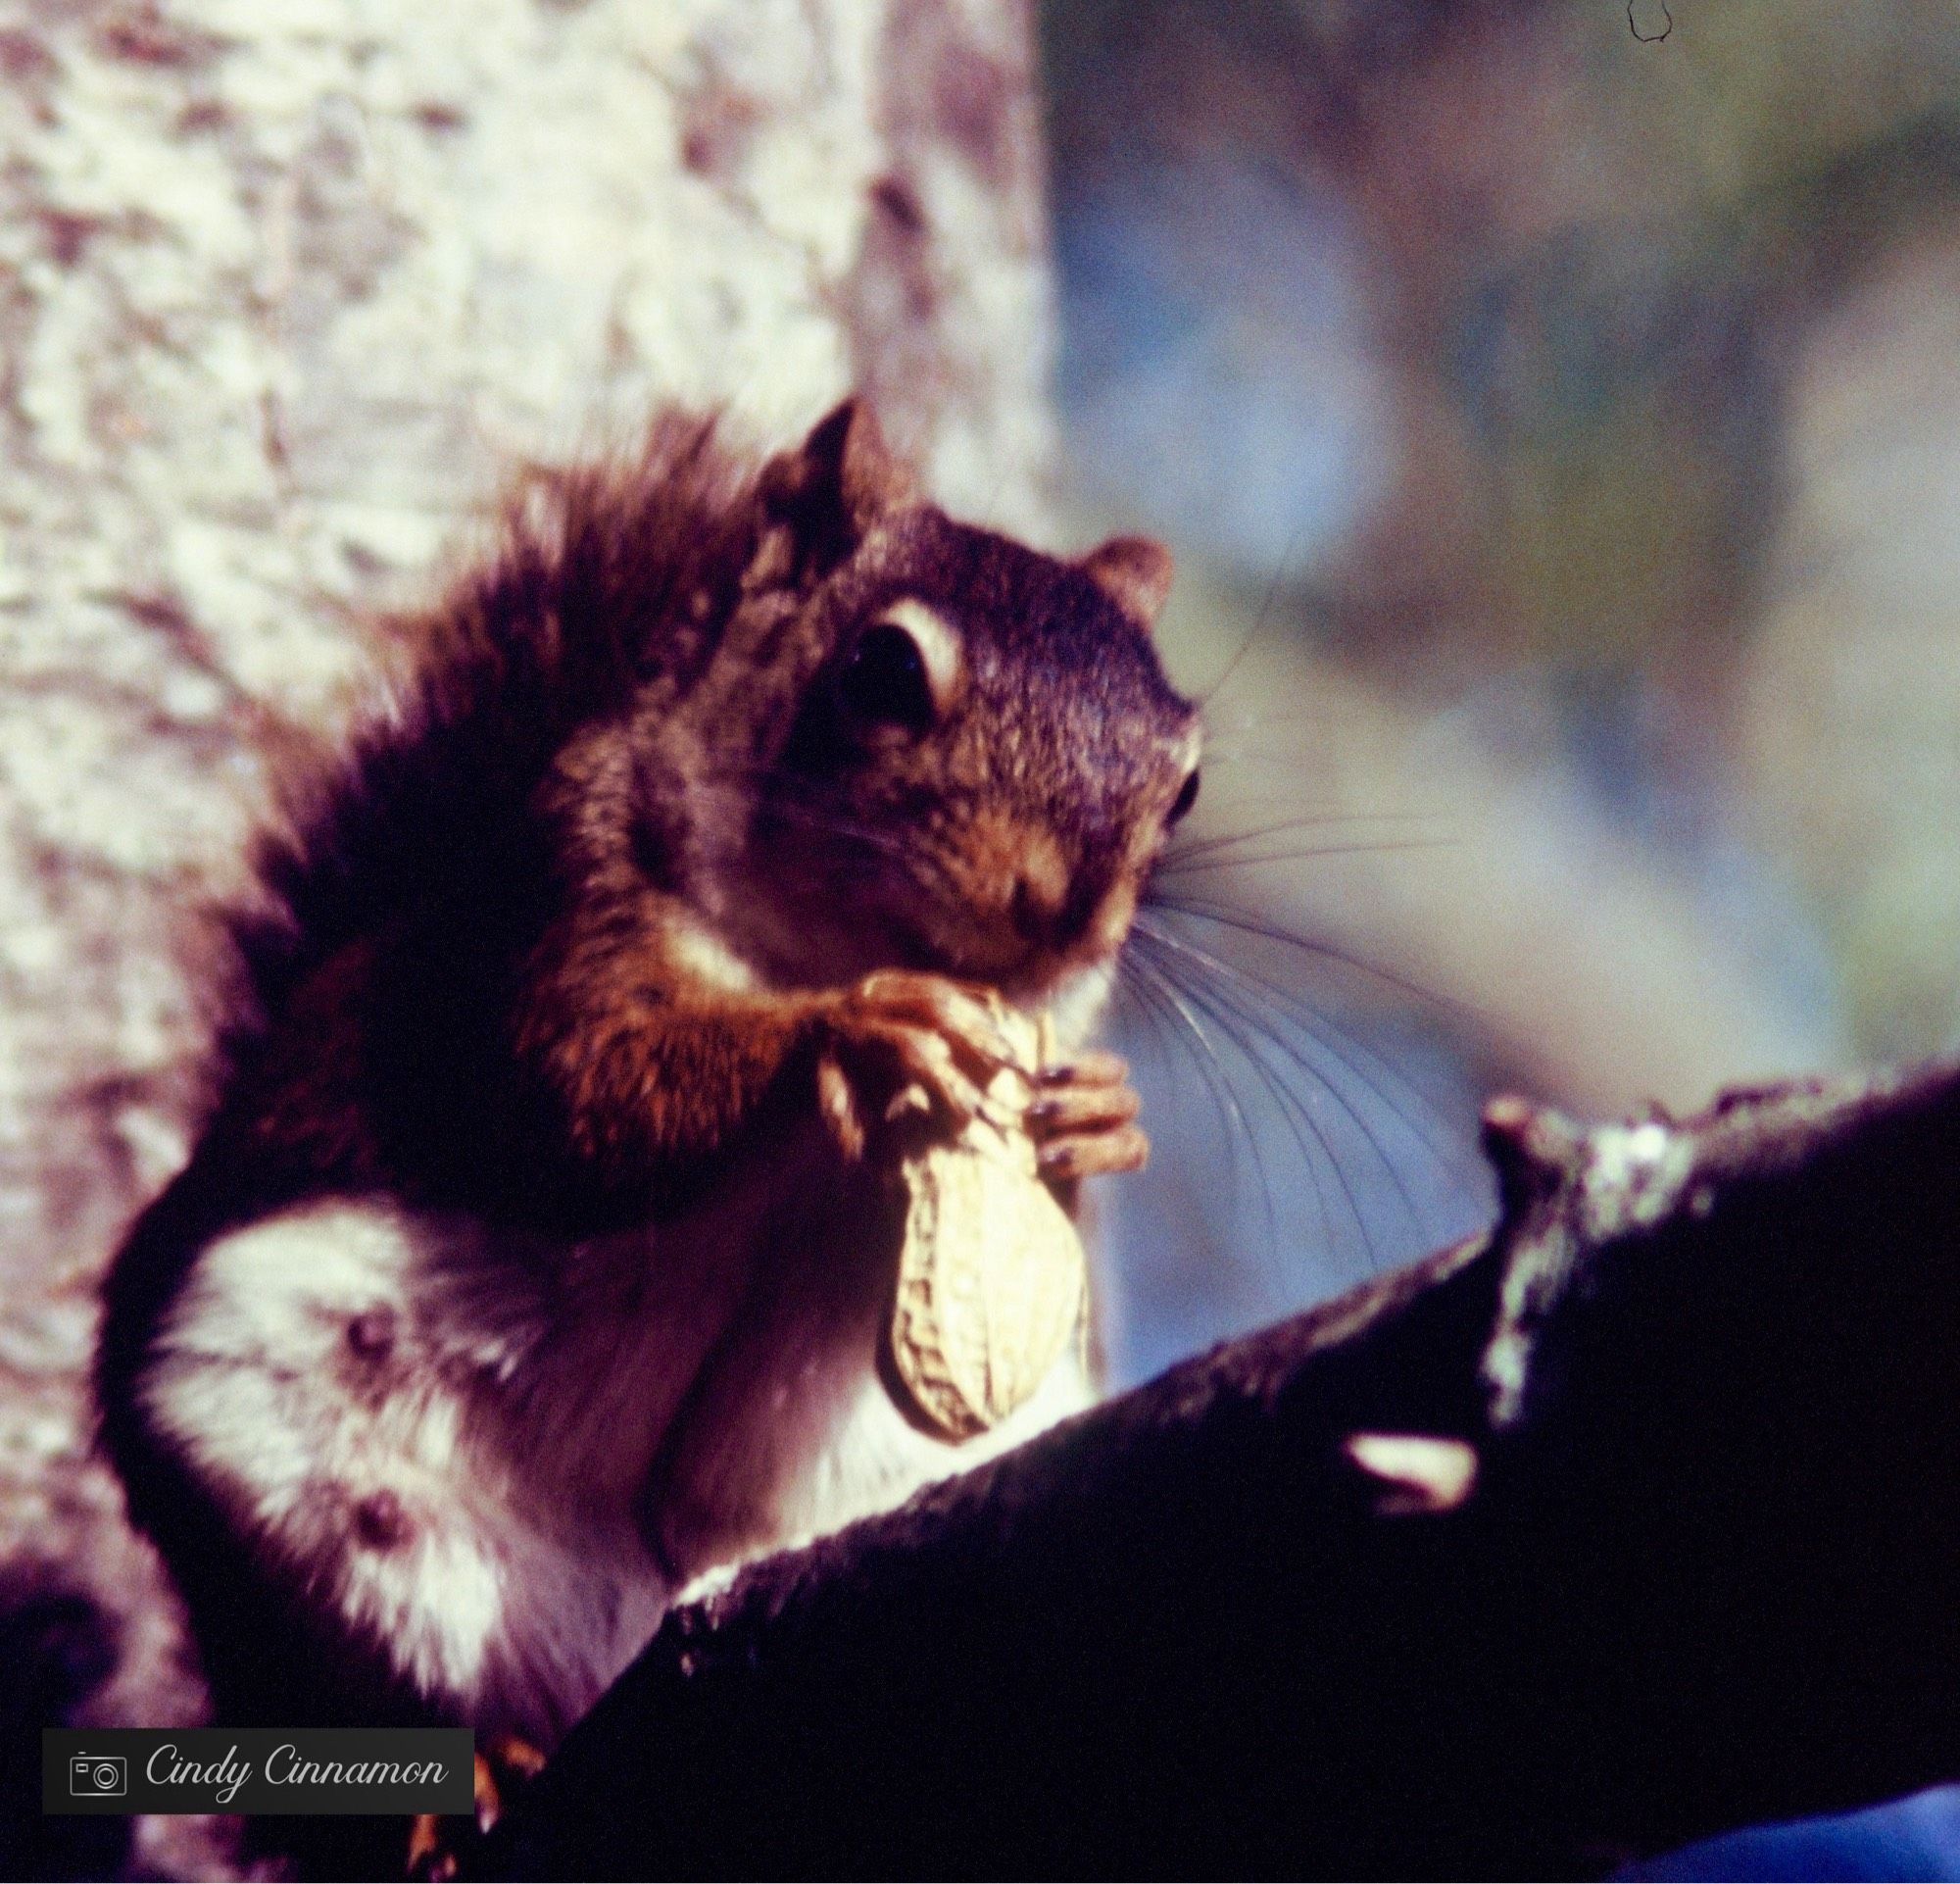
point(519, 1276)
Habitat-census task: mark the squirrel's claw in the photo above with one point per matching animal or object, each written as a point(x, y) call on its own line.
point(1091, 1068)
point(965, 1015)
point(904, 1043)
point(431, 1858)
point(509, 1766)
point(436, 1845)
point(1083, 1119)
point(1095, 1154)
point(875, 1073)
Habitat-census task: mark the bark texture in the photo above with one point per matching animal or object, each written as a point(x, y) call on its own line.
point(285, 287)
point(1633, 1520)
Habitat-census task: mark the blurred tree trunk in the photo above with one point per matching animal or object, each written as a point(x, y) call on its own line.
point(284, 288)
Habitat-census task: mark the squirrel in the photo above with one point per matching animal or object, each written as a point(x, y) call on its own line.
point(519, 1276)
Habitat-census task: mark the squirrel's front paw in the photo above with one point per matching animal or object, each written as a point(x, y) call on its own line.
point(1083, 1119)
point(902, 1045)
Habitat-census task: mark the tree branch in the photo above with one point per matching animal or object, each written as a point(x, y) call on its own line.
point(1680, 1554)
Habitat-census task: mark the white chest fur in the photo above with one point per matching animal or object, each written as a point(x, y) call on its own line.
point(499, 1460)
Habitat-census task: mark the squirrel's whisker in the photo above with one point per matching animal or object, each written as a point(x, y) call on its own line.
point(1302, 853)
point(1247, 925)
point(1173, 1029)
point(1184, 850)
point(1445, 1138)
point(1289, 1106)
point(1180, 1007)
point(1255, 995)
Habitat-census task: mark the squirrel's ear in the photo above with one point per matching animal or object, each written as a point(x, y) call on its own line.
point(1135, 573)
point(836, 484)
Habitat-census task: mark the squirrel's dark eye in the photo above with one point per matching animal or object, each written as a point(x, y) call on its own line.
point(885, 683)
point(1186, 798)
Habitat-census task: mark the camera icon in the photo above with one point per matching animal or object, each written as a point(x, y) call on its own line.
point(98, 1777)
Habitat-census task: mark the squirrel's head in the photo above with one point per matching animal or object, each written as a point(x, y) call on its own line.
point(982, 756)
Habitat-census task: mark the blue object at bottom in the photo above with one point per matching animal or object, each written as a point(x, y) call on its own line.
point(1912, 1838)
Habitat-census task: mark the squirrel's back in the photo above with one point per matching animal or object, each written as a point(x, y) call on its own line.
point(604, 579)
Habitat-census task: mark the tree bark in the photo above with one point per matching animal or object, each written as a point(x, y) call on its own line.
point(1674, 1549)
point(285, 291)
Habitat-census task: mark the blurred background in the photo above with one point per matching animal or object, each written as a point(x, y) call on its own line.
point(1556, 411)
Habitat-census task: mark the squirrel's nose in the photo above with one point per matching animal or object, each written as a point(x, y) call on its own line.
point(1035, 908)
point(1053, 912)
point(1039, 898)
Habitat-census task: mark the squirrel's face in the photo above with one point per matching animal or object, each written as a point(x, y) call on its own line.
point(986, 760)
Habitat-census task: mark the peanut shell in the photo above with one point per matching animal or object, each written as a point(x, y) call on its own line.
point(992, 1275)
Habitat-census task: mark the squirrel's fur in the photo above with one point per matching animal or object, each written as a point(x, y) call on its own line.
point(526, 1266)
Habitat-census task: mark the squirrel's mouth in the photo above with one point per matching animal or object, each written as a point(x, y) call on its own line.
point(1031, 971)
point(1073, 1001)
point(1043, 974)
point(1040, 980)
point(1071, 987)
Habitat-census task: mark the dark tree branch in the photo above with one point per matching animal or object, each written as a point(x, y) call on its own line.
point(1686, 1560)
